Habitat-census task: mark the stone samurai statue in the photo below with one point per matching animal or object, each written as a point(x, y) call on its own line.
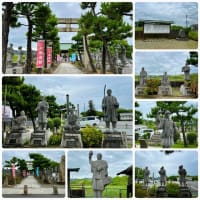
point(182, 176)
point(163, 176)
point(109, 107)
point(143, 77)
point(19, 123)
point(100, 178)
point(42, 109)
point(146, 176)
point(169, 129)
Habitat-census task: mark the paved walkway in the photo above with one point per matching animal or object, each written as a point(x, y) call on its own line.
point(34, 187)
point(67, 68)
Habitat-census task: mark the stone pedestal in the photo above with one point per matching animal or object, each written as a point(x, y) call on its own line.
point(140, 90)
point(14, 70)
point(39, 138)
point(184, 192)
point(14, 139)
point(114, 140)
point(165, 90)
point(185, 91)
point(161, 192)
point(71, 140)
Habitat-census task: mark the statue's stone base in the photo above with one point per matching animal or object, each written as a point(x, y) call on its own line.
point(161, 192)
point(140, 90)
point(165, 90)
point(14, 139)
point(185, 91)
point(114, 140)
point(14, 70)
point(38, 138)
point(71, 140)
point(184, 192)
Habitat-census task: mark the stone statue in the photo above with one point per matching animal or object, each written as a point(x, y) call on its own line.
point(20, 54)
point(72, 123)
point(100, 178)
point(182, 176)
point(165, 80)
point(163, 176)
point(186, 70)
point(143, 77)
point(146, 176)
point(42, 109)
point(19, 123)
point(10, 52)
point(169, 129)
point(109, 107)
point(129, 173)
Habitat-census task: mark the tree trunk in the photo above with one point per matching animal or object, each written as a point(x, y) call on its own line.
point(5, 31)
point(29, 47)
point(183, 132)
point(112, 65)
point(32, 119)
point(81, 60)
point(89, 55)
point(104, 58)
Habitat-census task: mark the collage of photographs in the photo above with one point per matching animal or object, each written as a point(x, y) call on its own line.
point(99, 99)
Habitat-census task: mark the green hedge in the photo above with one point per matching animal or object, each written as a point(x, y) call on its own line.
point(193, 35)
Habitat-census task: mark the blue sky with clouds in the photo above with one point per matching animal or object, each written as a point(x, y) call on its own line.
point(146, 106)
point(117, 161)
point(17, 36)
point(156, 63)
point(24, 154)
point(81, 89)
point(168, 11)
point(156, 159)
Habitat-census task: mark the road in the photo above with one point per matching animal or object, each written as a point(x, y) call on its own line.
point(67, 68)
point(34, 188)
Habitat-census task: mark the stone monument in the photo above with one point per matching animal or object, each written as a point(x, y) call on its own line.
point(18, 128)
point(62, 170)
point(146, 177)
point(168, 127)
point(184, 191)
point(112, 137)
point(185, 89)
point(20, 54)
point(161, 190)
point(182, 35)
point(100, 178)
point(142, 83)
point(129, 172)
point(39, 136)
point(71, 137)
point(165, 89)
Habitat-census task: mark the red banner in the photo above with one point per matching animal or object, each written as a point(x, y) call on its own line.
point(13, 171)
point(40, 54)
point(49, 55)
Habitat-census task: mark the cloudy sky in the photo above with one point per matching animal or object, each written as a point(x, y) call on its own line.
point(169, 11)
point(17, 36)
point(117, 161)
point(156, 63)
point(53, 155)
point(171, 162)
point(84, 88)
point(146, 106)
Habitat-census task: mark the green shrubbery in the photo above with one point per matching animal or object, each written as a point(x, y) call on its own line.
point(91, 137)
point(55, 122)
point(55, 139)
point(192, 137)
point(172, 188)
point(139, 192)
point(193, 35)
point(152, 86)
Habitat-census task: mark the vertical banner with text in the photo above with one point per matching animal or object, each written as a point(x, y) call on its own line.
point(49, 56)
point(13, 171)
point(40, 54)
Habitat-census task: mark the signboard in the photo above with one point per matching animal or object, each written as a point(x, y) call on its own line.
point(40, 54)
point(49, 55)
point(13, 171)
point(157, 28)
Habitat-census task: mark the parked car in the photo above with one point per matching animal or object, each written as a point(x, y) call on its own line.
point(89, 120)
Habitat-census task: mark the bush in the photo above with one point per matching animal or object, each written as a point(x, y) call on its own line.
point(152, 190)
point(191, 138)
point(172, 188)
point(147, 135)
point(55, 139)
point(176, 137)
point(57, 122)
point(193, 35)
point(152, 86)
point(50, 124)
point(137, 135)
point(91, 137)
point(139, 192)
